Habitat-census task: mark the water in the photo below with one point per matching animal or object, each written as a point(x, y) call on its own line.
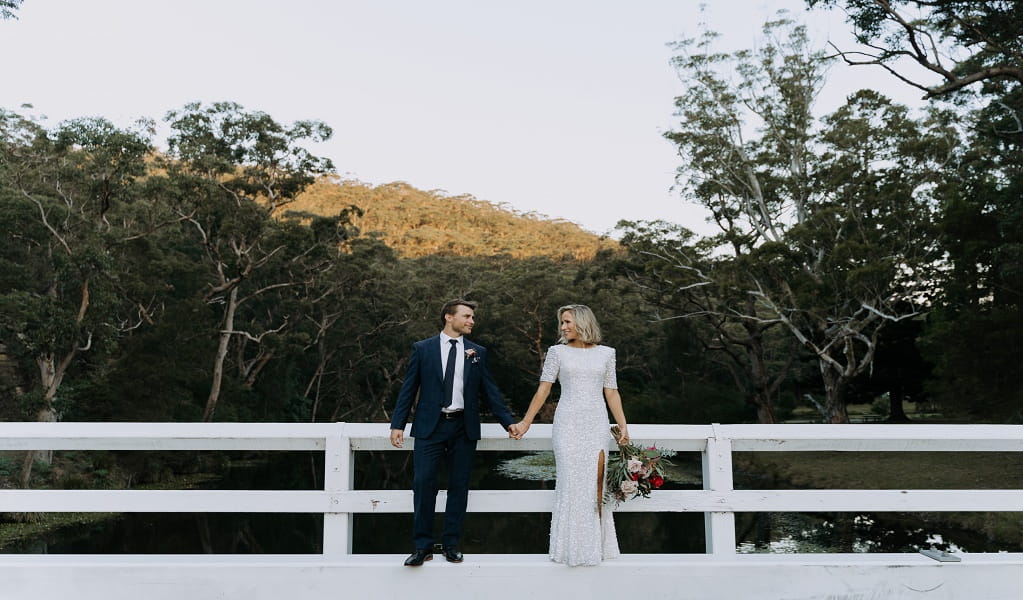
point(514, 533)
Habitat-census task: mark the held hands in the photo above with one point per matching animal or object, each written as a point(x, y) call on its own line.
point(517, 430)
point(397, 438)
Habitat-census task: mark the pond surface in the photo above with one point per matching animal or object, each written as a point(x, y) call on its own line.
point(491, 533)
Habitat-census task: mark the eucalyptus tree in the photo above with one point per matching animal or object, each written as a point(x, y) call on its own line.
point(231, 172)
point(961, 43)
point(969, 52)
point(819, 219)
point(681, 277)
point(70, 204)
point(746, 151)
point(355, 334)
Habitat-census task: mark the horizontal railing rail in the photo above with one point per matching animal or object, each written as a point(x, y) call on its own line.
point(340, 442)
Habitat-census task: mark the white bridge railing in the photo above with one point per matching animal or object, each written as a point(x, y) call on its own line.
point(341, 442)
point(338, 572)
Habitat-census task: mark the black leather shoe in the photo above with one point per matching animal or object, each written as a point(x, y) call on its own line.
point(452, 554)
point(418, 557)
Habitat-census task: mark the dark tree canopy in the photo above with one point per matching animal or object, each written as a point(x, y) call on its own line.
point(963, 42)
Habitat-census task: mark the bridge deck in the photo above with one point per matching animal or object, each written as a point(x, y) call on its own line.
point(511, 577)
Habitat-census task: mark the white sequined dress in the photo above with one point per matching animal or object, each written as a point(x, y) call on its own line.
point(579, 536)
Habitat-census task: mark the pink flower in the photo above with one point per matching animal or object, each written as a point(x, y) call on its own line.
point(628, 487)
point(634, 465)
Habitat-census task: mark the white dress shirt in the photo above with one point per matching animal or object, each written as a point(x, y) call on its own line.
point(457, 399)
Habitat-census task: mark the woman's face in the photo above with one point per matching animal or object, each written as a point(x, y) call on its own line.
point(568, 326)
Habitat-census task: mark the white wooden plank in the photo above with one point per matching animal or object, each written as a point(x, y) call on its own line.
point(850, 500)
point(165, 501)
point(868, 438)
point(880, 445)
point(499, 501)
point(682, 438)
point(373, 436)
point(154, 444)
point(400, 501)
point(185, 430)
point(509, 577)
point(339, 474)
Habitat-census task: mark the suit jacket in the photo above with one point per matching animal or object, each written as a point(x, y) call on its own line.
point(425, 375)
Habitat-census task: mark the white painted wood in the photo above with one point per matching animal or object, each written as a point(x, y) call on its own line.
point(511, 501)
point(162, 436)
point(488, 501)
point(340, 441)
point(719, 526)
point(127, 443)
point(682, 438)
point(170, 501)
point(868, 438)
point(854, 500)
point(339, 474)
point(511, 577)
point(720, 574)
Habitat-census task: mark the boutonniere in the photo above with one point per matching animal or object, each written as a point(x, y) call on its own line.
point(470, 354)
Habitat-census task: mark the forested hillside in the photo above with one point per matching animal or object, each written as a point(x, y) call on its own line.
point(420, 223)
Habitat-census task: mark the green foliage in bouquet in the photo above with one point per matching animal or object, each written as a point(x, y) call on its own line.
point(634, 471)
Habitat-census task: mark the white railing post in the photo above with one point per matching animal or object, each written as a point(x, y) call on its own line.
point(717, 477)
point(338, 477)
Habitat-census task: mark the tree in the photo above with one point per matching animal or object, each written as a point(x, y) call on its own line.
point(229, 172)
point(8, 9)
point(974, 48)
point(823, 220)
point(973, 336)
point(66, 197)
point(754, 188)
point(963, 42)
point(682, 276)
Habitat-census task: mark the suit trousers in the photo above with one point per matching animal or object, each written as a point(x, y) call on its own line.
point(448, 445)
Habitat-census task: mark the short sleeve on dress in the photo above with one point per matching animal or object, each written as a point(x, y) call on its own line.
point(551, 366)
point(610, 377)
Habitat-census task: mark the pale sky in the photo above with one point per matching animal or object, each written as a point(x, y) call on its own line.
point(556, 107)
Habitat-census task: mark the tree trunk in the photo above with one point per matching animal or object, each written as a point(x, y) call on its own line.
point(760, 373)
point(218, 361)
point(51, 373)
point(896, 412)
point(761, 378)
point(835, 386)
point(765, 412)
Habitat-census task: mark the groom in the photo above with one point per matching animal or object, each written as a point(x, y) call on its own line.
point(451, 377)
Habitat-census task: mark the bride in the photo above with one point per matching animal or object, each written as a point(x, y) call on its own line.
point(581, 534)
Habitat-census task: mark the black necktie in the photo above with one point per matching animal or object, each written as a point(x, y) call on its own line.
point(449, 374)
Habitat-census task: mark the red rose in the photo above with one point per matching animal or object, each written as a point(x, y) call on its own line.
point(634, 476)
point(657, 480)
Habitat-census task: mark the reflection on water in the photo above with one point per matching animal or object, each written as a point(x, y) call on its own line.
point(538, 466)
point(844, 532)
point(491, 533)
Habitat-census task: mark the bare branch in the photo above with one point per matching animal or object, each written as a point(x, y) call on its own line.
point(258, 339)
point(46, 222)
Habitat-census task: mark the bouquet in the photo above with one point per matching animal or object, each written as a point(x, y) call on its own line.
point(634, 471)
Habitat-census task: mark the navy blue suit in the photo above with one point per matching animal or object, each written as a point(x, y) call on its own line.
point(452, 441)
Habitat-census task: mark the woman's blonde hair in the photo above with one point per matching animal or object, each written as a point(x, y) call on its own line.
point(585, 323)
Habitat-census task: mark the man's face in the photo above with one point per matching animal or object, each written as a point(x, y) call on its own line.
point(462, 321)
